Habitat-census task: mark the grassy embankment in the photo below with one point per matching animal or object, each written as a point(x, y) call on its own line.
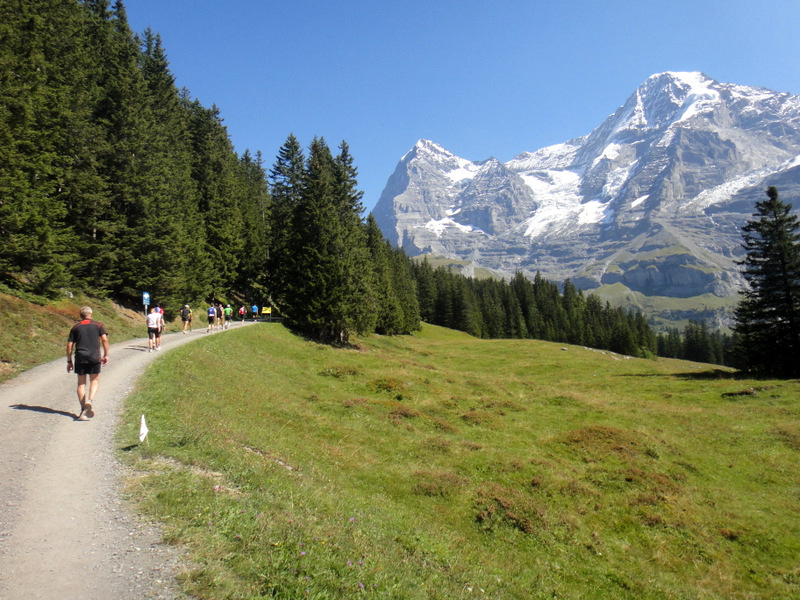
point(442, 466)
point(34, 332)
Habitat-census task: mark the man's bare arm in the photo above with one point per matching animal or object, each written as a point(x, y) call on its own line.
point(105, 348)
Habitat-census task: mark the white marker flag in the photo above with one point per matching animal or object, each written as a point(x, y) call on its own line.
point(142, 430)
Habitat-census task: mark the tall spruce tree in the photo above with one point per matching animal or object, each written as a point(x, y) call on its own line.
point(357, 273)
point(286, 188)
point(425, 283)
point(768, 317)
point(389, 318)
point(405, 289)
point(120, 112)
point(221, 186)
point(325, 294)
point(164, 254)
point(256, 206)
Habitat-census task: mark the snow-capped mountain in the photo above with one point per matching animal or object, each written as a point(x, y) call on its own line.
point(654, 198)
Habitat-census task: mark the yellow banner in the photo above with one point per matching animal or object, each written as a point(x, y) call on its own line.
point(267, 310)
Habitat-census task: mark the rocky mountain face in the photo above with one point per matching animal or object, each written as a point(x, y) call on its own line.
point(653, 199)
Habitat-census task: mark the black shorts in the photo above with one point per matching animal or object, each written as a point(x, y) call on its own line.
point(87, 368)
point(152, 332)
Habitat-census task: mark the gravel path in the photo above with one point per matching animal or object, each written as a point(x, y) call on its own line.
point(65, 531)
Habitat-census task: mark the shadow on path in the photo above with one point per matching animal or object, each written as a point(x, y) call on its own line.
point(44, 409)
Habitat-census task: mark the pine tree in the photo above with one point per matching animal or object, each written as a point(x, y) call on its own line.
point(523, 290)
point(221, 187)
point(256, 206)
point(697, 344)
point(405, 289)
point(595, 332)
point(121, 111)
point(514, 320)
point(768, 325)
point(491, 308)
point(574, 304)
point(426, 289)
point(165, 253)
point(357, 274)
point(286, 188)
point(389, 318)
point(327, 294)
point(670, 344)
point(466, 310)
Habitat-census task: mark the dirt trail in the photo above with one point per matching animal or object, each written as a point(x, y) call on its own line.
point(65, 531)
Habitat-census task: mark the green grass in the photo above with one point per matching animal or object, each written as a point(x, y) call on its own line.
point(457, 266)
point(443, 466)
point(666, 311)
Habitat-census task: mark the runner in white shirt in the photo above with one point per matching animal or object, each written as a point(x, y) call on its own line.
point(154, 321)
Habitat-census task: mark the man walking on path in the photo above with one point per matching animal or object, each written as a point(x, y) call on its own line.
point(85, 339)
point(228, 312)
point(186, 317)
point(212, 317)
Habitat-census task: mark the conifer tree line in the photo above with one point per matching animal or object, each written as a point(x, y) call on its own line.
point(115, 182)
point(111, 179)
point(521, 308)
point(697, 343)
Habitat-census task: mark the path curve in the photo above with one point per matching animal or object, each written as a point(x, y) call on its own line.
point(65, 531)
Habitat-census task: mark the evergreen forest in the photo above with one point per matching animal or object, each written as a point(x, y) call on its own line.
point(113, 181)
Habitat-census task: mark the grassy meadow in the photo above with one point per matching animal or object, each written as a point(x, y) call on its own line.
point(444, 466)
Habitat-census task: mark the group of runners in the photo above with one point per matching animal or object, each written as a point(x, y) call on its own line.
point(219, 317)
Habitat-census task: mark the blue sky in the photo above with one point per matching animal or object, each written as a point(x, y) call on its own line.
point(481, 78)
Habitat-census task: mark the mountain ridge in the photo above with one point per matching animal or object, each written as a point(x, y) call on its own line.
point(653, 198)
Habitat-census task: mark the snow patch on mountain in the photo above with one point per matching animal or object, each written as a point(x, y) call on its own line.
point(700, 95)
point(439, 226)
point(463, 172)
point(595, 212)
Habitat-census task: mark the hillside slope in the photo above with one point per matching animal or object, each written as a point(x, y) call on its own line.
point(443, 466)
point(33, 333)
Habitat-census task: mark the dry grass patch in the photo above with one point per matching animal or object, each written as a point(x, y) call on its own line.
point(789, 434)
point(498, 505)
point(438, 483)
point(481, 418)
point(598, 441)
